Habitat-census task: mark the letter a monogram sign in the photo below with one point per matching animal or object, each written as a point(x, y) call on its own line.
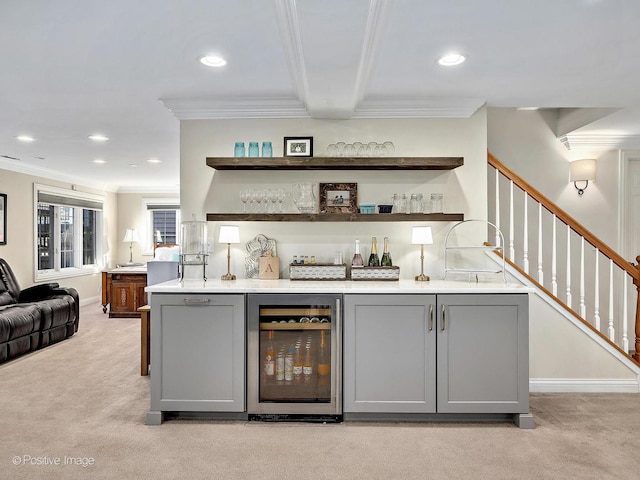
point(269, 267)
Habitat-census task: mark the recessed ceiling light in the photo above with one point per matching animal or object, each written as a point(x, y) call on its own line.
point(213, 61)
point(99, 160)
point(451, 59)
point(154, 160)
point(133, 165)
point(25, 138)
point(96, 137)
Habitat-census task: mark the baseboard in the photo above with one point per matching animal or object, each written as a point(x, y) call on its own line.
point(583, 385)
point(89, 301)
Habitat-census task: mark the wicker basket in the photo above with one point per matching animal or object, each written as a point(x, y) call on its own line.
point(375, 273)
point(318, 271)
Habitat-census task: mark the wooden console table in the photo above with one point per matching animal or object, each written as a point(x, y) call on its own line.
point(123, 291)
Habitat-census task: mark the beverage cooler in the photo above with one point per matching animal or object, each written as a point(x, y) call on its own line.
point(294, 357)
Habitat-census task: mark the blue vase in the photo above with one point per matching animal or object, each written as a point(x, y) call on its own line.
point(239, 150)
point(253, 149)
point(266, 149)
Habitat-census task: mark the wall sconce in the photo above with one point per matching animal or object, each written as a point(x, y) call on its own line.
point(131, 236)
point(229, 234)
point(422, 236)
point(582, 171)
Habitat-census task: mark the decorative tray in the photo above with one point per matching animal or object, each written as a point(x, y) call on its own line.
point(375, 273)
point(317, 271)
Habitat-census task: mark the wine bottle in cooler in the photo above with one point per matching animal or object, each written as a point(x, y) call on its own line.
point(324, 356)
point(270, 357)
point(374, 260)
point(386, 256)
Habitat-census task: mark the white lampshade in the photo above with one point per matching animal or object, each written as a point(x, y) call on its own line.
point(229, 234)
point(130, 235)
point(583, 170)
point(421, 236)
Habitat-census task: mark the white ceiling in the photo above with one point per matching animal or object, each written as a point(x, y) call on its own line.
point(129, 69)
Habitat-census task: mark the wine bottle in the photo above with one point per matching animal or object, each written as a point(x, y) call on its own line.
point(374, 260)
point(357, 260)
point(386, 256)
point(270, 357)
point(324, 356)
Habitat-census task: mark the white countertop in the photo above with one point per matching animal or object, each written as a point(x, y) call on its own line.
point(349, 286)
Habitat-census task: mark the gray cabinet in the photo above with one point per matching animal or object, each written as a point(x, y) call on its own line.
point(197, 354)
point(483, 353)
point(472, 358)
point(389, 353)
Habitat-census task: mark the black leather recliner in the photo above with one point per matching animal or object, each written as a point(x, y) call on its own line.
point(34, 317)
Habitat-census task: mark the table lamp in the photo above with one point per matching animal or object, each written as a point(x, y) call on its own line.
point(229, 234)
point(422, 236)
point(131, 236)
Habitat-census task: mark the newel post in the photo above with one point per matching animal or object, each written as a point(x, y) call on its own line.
point(636, 282)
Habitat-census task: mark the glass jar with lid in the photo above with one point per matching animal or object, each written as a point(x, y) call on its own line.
point(437, 203)
point(416, 205)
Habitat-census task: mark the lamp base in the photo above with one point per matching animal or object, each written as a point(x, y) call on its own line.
point(422, 278)
point(228, 276)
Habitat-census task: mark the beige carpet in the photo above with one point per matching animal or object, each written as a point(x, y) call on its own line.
point(84, 401)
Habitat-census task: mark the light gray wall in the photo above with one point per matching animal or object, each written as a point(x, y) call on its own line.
point(525, 142)
point(204, 190)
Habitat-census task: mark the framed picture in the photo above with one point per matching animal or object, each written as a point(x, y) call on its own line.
point(298, 146)
point(3, 218)
point(338, 197)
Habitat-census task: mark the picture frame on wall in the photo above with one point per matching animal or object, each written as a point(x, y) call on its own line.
point(338, 197)
point(298, 146)
point(3, 218)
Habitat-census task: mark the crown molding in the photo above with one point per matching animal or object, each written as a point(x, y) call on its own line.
point(418, 107)
point(600, 141)
point(235, 107)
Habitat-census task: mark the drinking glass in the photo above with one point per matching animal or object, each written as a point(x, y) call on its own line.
point(332, 150)
point(340, 149)
point(390, 148)
point(349, 150)
point(264, 194)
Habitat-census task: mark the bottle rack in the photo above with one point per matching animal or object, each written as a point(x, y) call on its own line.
point(488, 248)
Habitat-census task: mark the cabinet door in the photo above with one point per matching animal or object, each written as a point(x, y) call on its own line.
point(122, 298)
point(197, 353)
point(389, 353)
point(483, 353)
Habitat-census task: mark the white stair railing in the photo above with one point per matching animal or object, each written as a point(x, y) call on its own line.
point(578, 241)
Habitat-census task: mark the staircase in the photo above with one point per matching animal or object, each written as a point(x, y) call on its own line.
point(589, 283)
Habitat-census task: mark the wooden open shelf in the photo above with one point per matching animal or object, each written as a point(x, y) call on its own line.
point(334, 217)
point(335, 163)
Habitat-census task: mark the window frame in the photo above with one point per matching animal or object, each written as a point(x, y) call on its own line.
point(58, 271)
point(147, 215)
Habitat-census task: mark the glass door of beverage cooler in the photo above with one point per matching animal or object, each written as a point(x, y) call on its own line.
point(294, 355)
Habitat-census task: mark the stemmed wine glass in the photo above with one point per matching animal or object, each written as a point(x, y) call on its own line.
point(273, 198)
point(259, 198)
point(253, 197)
point(282, 194)
point(244, 198)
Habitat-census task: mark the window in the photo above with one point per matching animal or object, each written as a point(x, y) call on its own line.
point(162, 221)
point(68, 233)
